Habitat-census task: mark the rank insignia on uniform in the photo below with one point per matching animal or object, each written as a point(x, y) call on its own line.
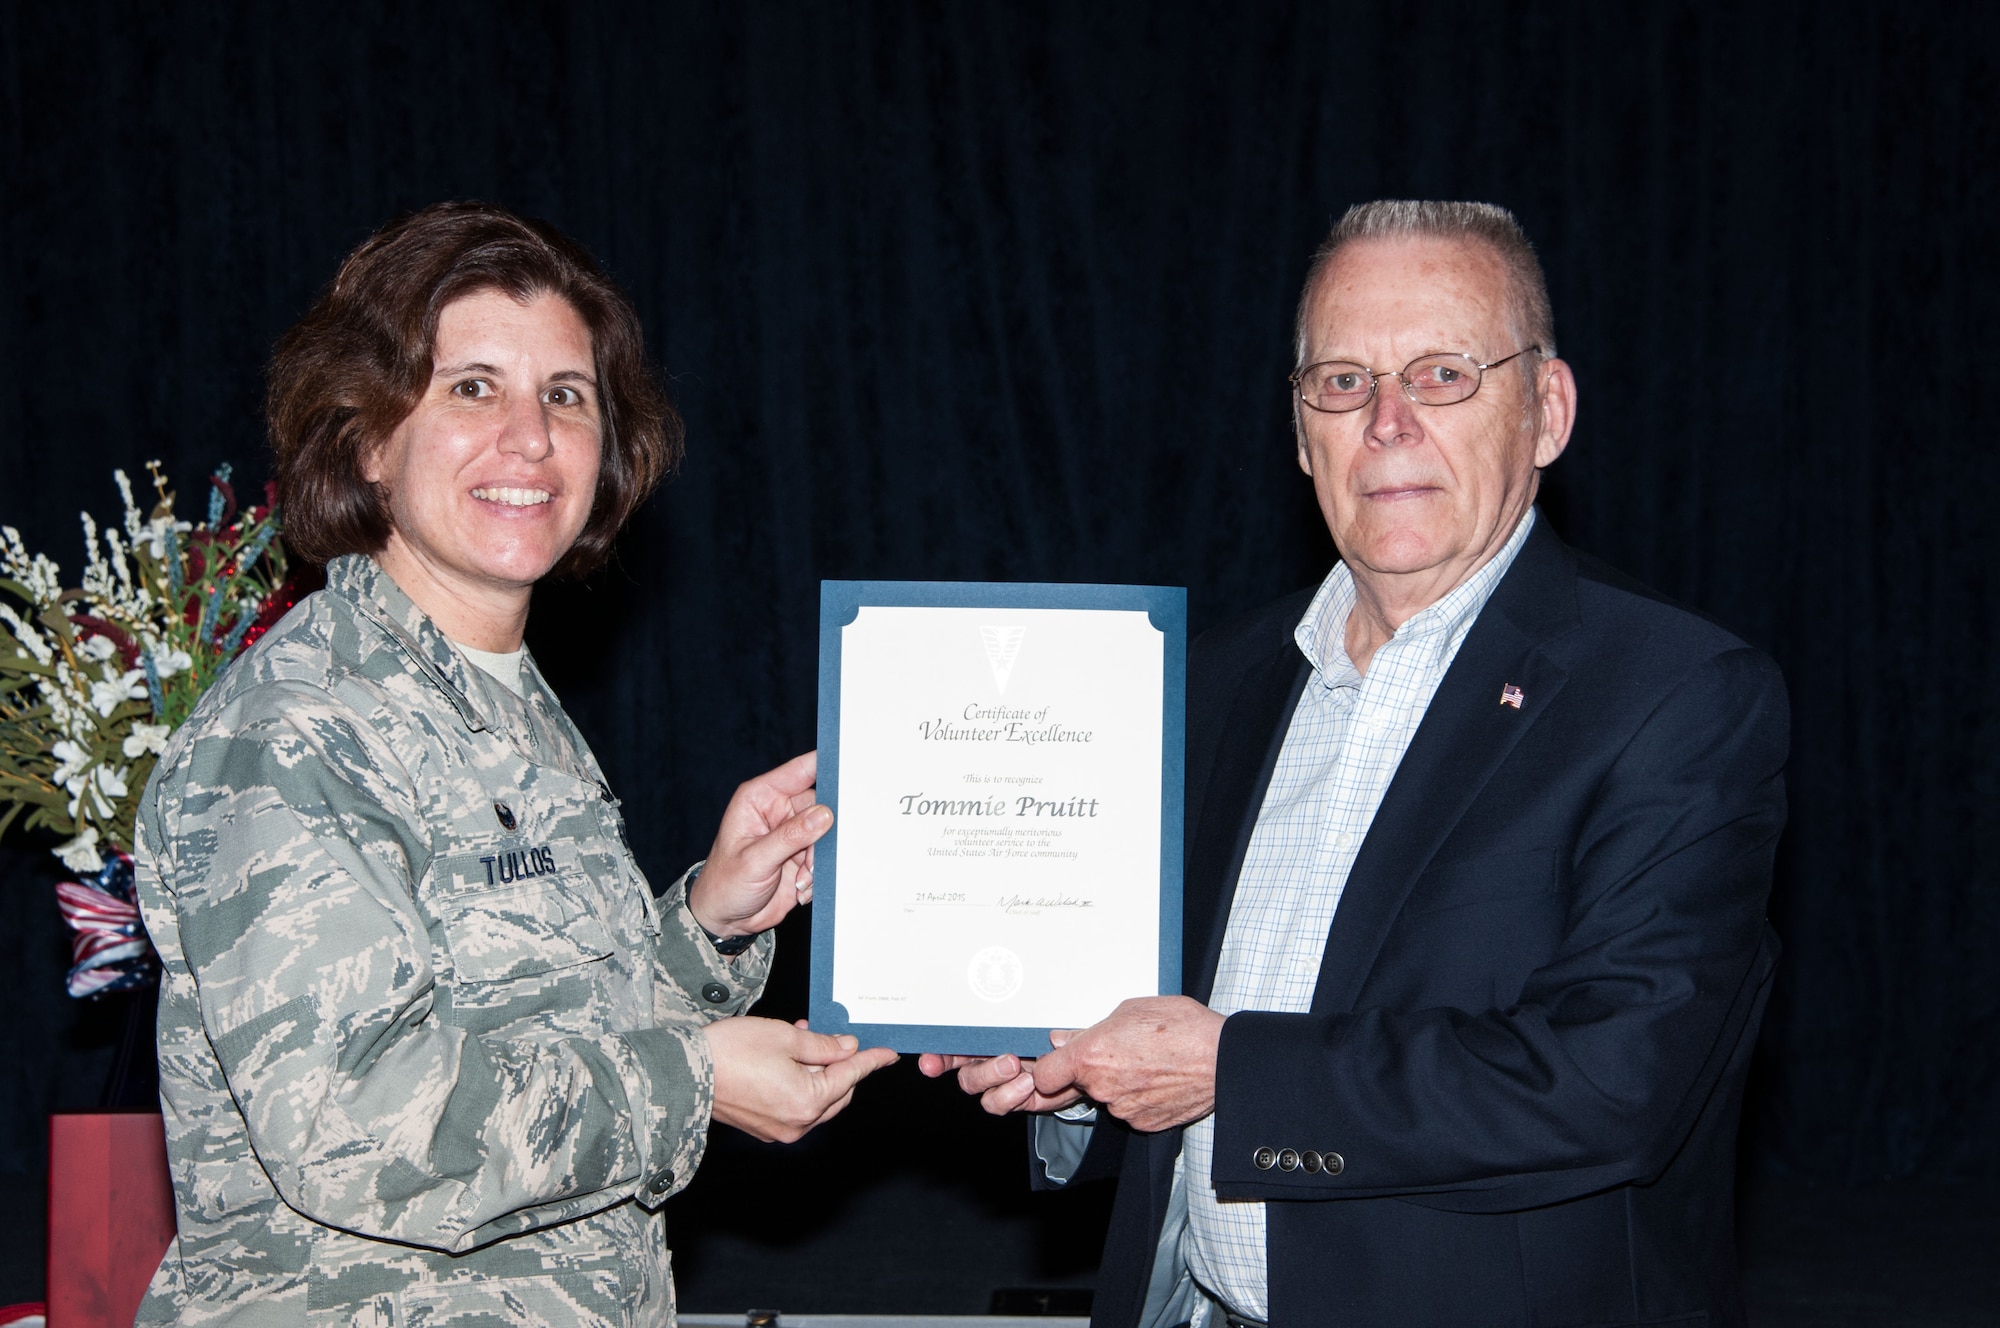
point(506, 815)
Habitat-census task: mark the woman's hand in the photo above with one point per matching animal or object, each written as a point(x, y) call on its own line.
point(761, 865)
point(774, 1081)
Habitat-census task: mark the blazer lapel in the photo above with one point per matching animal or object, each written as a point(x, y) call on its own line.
point(1465, 735)
point(1262, 708)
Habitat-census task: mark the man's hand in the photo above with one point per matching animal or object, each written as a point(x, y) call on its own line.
point(1151, 1063)
point(761, 865)
point(1002, 1083)
point(775, 1081)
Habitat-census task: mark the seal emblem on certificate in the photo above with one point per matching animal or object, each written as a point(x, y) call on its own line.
point(1004, 765)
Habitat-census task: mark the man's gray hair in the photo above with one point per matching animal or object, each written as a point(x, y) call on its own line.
point(1483, 223)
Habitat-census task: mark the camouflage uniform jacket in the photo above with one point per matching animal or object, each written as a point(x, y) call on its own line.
point(430, 1049)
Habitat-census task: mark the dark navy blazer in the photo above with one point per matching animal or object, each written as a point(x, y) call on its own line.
point(1537, 1002)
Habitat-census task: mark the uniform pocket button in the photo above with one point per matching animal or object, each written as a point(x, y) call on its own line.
point(715, 993)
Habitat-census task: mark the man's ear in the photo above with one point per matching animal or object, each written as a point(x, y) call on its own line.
point(1299, 439)
point(1557, 410)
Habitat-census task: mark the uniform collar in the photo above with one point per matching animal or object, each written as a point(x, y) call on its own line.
point(361, 581)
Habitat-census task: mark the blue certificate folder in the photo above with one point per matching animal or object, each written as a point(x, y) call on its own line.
point(1165, 609)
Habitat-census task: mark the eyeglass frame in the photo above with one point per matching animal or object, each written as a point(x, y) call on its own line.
point(1400, 375)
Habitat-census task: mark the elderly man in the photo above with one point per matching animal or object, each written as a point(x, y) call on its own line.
point(1480, 836)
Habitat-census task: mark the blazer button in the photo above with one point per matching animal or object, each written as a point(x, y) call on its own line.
point(715, 993)
point(1265, 1158)
point(1333, 1163)
point(1288, 1160)
point(1310, 1160)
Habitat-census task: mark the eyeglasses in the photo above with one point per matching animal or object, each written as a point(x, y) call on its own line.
point(1337, 386)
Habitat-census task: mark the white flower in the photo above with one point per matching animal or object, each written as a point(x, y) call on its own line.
point(169, 662)
point(97, 648)
point(72, 760)
point(154, 536)
point(94, 568)
point(108, 695)
point(124, 566)
point(80, 854)
point(26, 635)
point(146, 738)
point(107, 581)
point(66, 716)
point(42, 578)
point(124, 484)
point(92, 795)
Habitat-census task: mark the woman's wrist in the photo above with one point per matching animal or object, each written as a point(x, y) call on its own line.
point(724, 945)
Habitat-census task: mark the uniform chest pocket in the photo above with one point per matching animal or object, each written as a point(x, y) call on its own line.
point(522, 931)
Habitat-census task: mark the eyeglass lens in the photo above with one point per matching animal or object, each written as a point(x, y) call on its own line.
point(1431, 380)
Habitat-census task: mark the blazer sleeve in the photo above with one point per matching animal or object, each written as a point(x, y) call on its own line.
point(1595, 1073)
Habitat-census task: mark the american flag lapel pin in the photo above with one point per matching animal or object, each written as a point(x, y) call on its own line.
point(1510, 695)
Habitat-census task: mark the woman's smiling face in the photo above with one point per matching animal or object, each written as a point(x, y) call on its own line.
point(492, 475)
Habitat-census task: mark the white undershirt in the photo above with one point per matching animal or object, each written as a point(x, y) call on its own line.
point(504, 668)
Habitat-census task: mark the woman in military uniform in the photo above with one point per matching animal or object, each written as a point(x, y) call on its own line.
point(431, 1048)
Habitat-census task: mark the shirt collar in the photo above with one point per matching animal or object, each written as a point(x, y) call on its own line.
point(1436, 630)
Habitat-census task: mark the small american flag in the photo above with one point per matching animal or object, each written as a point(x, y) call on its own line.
point(1510, 695)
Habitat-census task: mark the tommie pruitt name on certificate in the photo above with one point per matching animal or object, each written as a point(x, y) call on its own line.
point(916, 804)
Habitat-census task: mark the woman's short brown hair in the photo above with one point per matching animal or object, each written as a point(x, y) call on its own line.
point(356, 365)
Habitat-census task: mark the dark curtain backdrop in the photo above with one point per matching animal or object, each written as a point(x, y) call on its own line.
point(1004, 292)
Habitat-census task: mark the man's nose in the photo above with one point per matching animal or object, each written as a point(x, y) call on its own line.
point(1392, 416)
point(525, 429)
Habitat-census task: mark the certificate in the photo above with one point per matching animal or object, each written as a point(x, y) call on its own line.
point(1004, 764)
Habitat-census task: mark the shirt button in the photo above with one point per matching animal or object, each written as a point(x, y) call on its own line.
point(715, 993)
